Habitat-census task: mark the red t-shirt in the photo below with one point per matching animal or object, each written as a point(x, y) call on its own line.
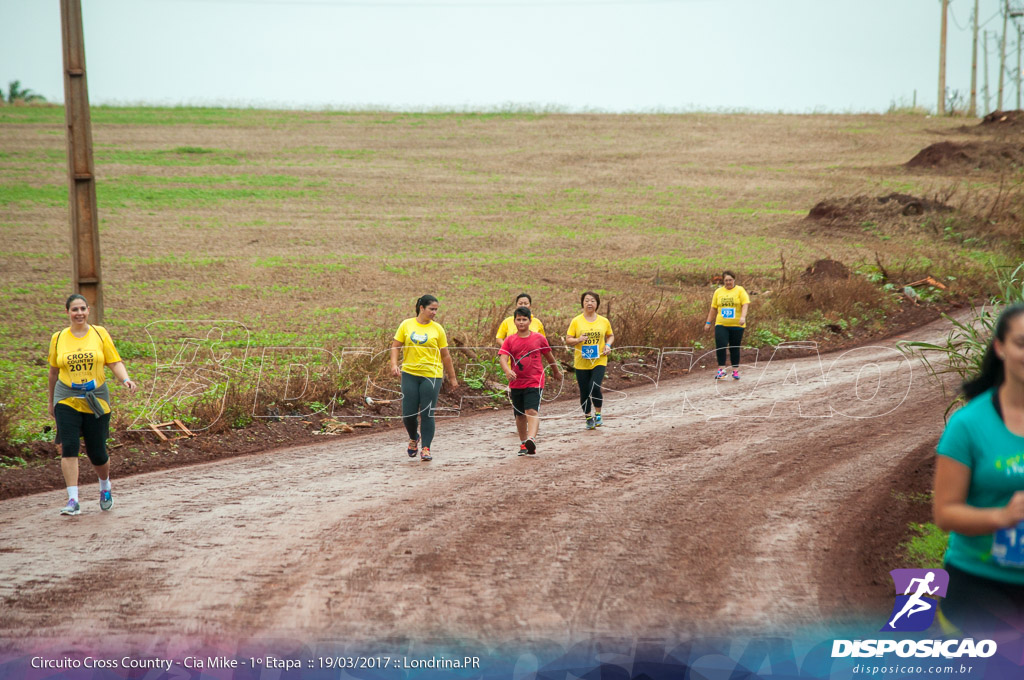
point(524, 359)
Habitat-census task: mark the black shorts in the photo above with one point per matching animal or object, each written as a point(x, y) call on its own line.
point(980, 606)
point(73, 425)
point(525, 399)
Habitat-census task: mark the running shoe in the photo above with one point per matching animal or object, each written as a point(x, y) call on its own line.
point(105, 500)
point(414, 449)
point(720, 375)
point(72, 508)
point(597, 420)
point(522, 450)
point(531, 447)
point(591, 423)
point(736, 375)
point(425, 454)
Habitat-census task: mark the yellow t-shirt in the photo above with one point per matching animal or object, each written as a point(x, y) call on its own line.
point(81, 360)
point(587, 354)
point(421, 348)
point(729, 304)
point(508, 327)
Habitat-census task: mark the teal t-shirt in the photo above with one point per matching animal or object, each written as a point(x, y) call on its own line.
point(977, 437)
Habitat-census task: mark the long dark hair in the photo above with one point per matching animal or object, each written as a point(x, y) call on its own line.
point(992, 371)
point(424, 301)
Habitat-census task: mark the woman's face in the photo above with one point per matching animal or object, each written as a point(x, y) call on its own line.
point(728, 282)
point(1011, 349)
point(589, 303)
point(429, 312)
point(78, 312)
point(523, 302)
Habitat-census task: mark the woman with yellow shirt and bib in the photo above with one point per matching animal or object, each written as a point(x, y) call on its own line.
point(79, 397)
point(729, 310)
point(591, 335)
point(425, 360)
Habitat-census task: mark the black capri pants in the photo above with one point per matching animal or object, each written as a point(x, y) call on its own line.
point(979, 606)
point(731, 337)
point(590, 387)
point(72, 424)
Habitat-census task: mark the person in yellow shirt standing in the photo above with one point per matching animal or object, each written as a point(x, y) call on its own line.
point(508, 326)
point(591, 335)
point(729, 311)
point(425, 361)
point(79, 397)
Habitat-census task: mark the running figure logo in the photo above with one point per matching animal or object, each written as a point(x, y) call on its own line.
point(915, 611)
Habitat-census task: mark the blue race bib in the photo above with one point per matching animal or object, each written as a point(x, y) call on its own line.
point(1008, 546)
point(589, 352)
point(728, 313)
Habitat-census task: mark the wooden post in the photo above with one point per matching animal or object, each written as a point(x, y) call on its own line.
point(984, 54)
point(973, 110)
point(941, 107)
point(85, 236)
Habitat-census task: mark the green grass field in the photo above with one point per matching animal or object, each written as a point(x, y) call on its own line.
point(319, 229)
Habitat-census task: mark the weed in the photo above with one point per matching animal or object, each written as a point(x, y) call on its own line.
point(926, 549)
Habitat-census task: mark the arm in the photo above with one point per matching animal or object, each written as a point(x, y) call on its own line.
point(711, 317)
point(743, 314)
point(950, 509)
point(51, 380)
point(503, 359)
point(121, 373)
point(395, 347)
point(608, 341)
point(449, 367)
point(556, 370)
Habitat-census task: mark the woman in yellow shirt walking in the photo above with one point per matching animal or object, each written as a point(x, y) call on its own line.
point(591, 335)
point(79, 398)
point(729, 311)
point(425, 360)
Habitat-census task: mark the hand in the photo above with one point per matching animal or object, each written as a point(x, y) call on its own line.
point(453, 384)
point(1013, 512)
point(510, 375)
point(131, 385)
point(51, 408)
point(707, 326)
point(606, 350)
point(556, 374)
point(396, 371)
point(743, 322)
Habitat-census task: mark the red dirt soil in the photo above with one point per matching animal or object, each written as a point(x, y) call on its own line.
point(699, 506)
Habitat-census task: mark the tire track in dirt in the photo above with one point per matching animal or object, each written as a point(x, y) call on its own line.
point(659, 523)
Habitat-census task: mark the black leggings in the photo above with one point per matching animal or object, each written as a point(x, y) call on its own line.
point(590, 387)
point(978, 605)
point(731, 337)
point(72, 424)
point(419, 397)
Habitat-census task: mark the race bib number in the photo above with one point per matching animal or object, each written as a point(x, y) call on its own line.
point(1008, 547)
point(728, 312)
point(589, 352)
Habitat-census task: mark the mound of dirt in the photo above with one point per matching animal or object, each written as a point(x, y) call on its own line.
point(889, 209)
point(1004, 119)
point(965, 156)
point(827, 269)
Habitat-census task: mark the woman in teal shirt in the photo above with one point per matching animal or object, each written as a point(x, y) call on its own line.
point(979, 489)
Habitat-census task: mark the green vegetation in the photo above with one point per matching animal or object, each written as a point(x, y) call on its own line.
point(926, 546)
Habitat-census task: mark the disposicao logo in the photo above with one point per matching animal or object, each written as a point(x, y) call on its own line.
point(915, 608)
point(917, 593)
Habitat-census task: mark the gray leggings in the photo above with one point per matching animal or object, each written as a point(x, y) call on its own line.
point(419, 397)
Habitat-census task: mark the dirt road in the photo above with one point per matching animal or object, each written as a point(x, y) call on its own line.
point(698, 506)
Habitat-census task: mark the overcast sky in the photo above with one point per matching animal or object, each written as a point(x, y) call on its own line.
point(613, 55)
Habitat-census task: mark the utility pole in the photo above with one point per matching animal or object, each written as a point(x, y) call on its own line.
point(984, 54)
point(1018, 66)
point(973, 110)
point(85, 233)
point(1002, 54)
point(941, 108)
